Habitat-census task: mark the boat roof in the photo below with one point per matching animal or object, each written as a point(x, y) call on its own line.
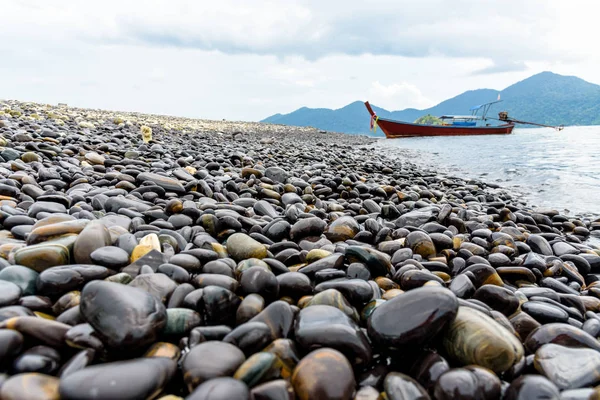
point(481, 105)
point(459, 117)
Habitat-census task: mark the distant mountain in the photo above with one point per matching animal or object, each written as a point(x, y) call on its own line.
point(545, 98)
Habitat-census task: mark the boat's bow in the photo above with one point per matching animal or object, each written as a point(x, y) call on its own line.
point(370, 109)
point(374, 117)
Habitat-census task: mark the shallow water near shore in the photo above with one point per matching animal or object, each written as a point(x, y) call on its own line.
point(547, 167)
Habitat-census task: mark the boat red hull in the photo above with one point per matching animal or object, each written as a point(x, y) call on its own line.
point(397, 129)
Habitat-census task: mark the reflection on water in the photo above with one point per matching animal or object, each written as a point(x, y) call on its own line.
point(550, 168)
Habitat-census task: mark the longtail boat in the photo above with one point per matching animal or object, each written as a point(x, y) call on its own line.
point(453, 125)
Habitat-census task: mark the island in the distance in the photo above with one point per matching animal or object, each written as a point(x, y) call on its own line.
point(547, 98)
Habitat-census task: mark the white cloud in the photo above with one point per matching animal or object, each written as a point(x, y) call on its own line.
point(241, 60)
point(398, 96)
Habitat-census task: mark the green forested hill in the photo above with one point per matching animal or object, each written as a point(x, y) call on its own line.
point(546, 98)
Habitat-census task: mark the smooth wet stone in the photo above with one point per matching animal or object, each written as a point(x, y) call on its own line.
point(342, 229)
point(523, 323)
point(122, 278)
point(420, 243)
point(174, 272)
point(46, 331)
point(42, 232)
point(218, 306)
point(221, 388)
point(250, 307)
point(210, 360)
point(164, 349)
point(378, 263)
point(276, 174)
point(592, 327)
point(561, 334)
point(152, 259)
point(327, 326)
point(241, 246)
point(498, 298)
point(427, 368)
point(111, 257)
point(30, 386)
point(25, 307)
point(262, 207)
point(539, 245)
point(545, 313)
point(279, 317)
point(188, 262)
point(40, 359)
point(568, 368)
point(83, 336)
point(94, 158)
point(418, 278)
point(94, 236)
point(181, 320)
point(11, 343)
point(335, 261)
point(46, 207)
point(462, 286)
point(147, 244)
point(132, 379)
point(563, 248)
point(292, 284)
point(9, 154)
point(169, 184)
point(23, 277)
point(286, 351)
point(68, 300)
point(484, 275)
point(356, 291)
point(158, 285)
point(247, 172)
point(278, 389)
point(414, 218)
point(249, 263)
point(202, 334)
point(398, 386)
point(531, 387)
point(307, 227)
point(323, 374)
point(42, 256)
point(474, 338)
point(334, 298)
point(260, 281)
point(261, 367)
point(114, 204)
point(412, 318)
point(472, 382)
point(124, 317)
point(64, 278)
point(9, 293)
point(71, 316)
point(250, 337)
point(78, 362)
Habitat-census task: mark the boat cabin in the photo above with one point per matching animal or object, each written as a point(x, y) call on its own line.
point(459, 120)
point(469, 120)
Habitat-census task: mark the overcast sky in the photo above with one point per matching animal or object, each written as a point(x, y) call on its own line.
point(246, 60)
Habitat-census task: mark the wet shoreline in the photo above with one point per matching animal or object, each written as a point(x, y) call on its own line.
point(214, 259)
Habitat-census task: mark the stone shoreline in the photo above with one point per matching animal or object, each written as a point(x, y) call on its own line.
point(229, 260)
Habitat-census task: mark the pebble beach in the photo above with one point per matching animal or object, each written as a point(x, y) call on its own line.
point(157, 257)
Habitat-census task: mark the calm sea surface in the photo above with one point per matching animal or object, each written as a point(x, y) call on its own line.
point(547, 167)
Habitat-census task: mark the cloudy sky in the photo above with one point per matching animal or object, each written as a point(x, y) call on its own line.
point(246, 60)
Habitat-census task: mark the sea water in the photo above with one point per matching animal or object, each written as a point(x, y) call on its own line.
point(546, 167)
